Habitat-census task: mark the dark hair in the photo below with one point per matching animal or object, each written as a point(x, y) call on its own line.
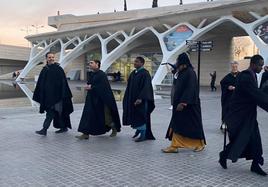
point(256, 59)
point(97, 62)
point(49, 53)
point(183, 59)
point(141, 59)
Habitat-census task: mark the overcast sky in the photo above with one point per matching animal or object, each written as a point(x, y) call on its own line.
point(16, 15)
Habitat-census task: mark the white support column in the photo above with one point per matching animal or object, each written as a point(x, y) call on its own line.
point(77, 51)
point(29, 94)
point(108, 59)
point(35, 58)
point(263, 47)
point(132, 31)
point(202, 23)
point(130, 43)
point(255, 15)
point(197, 33)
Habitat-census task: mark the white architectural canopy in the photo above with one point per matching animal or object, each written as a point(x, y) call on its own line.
point(118, 33)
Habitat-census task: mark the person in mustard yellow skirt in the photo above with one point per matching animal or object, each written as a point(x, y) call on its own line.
point(186, 129)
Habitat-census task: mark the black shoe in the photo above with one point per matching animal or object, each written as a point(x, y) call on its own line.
point(136, 134)
point(114, 132)
point(42, 132)
point(255, 168)
point(261, 161)
point(223, 161)
point(140, 139)
point(61, 130)
point(83, 137)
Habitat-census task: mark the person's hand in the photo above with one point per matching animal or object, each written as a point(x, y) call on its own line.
point(88, 87)
point(231, 88)
point(266, 68)
point(137, 102)
point(180, 107)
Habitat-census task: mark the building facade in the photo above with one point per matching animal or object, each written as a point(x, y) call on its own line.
point(158, 34)
point(12, 58)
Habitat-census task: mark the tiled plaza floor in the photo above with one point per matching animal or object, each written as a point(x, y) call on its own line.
point(27, 159)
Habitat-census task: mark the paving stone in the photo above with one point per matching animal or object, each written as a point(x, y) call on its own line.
point(27, 159)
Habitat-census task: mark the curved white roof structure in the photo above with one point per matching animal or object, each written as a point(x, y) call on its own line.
point(115, 34)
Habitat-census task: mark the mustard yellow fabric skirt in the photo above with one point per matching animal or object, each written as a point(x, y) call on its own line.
point(179, 141)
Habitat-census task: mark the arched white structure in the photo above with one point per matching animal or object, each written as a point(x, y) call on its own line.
point(80, 38)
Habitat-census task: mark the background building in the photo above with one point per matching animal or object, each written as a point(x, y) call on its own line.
point(158, 34)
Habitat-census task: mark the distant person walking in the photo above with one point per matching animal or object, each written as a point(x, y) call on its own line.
point(213, 81)
point(14, 75)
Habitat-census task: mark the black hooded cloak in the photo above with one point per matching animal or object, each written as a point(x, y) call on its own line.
point(241, 119)
point(93, 117)
point(139, 86)
point(52, 88)
point(226, 94)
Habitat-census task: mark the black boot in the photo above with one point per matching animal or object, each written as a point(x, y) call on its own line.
point(223, 160)
point(142, 136)
point(61, 130)
point(255, 168)
point(42, 132)
point(136, 134)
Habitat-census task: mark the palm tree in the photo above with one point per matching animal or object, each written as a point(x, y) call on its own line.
point(125, 5)
point(155, 4)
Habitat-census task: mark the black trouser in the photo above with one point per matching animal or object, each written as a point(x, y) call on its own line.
point(213, 87)
point(51, 113)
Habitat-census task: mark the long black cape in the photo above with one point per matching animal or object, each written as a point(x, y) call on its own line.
point(139, 86)
point(226, 94)
point(101, 95)
point(241, 119)
point(51, 88)
point(188, 122)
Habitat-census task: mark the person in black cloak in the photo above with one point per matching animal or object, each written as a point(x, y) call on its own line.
point(54, 95)
point(264, 80)
point(241, 119)
point(213, 81)
point(138, 102)
point(185, 128)
point(100, 113)
point(227, 89)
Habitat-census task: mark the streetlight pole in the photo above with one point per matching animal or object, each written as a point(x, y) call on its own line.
point(27, 30)
point(199, 59)
point(37, 27)
point(198, 46)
